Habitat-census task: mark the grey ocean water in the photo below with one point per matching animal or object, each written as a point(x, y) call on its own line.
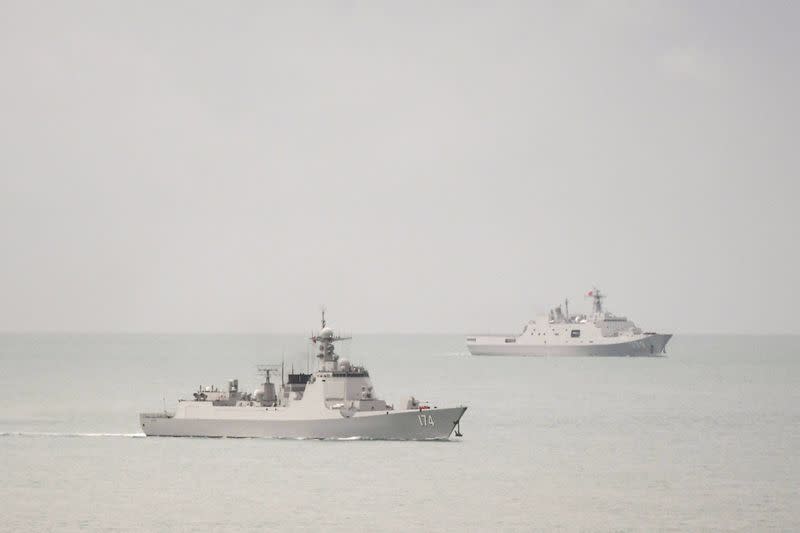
point(706, 438)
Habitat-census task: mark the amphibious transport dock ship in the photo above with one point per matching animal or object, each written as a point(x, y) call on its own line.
point(335, 402)
point(559, 333)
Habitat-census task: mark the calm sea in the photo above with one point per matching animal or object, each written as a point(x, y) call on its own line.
point(707, 438)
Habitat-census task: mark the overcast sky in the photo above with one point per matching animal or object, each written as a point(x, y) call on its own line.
point(416, 166)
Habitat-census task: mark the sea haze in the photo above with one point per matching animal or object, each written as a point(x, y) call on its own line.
point(705, 438)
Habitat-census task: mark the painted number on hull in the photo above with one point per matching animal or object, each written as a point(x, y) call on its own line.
point(425, 420)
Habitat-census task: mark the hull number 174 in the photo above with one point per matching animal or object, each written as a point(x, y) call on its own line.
point(425, 420)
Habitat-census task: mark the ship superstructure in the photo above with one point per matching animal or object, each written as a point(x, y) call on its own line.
point(335, 401)
point(558, 332)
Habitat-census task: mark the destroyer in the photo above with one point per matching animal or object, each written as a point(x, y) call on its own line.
point(337, 401)
point(559, 333)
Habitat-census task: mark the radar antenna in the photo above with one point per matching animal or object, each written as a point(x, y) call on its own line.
point(270, 398)
point(266, 370)
point(325, 339)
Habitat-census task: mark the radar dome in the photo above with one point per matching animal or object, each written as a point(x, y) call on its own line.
point(344, 364)
point(326, 333)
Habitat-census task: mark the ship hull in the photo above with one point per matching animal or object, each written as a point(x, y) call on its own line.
point(431, 424)
point(648, 346)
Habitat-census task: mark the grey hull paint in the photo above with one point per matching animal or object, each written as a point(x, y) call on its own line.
point(653, 345)
point(396, 425)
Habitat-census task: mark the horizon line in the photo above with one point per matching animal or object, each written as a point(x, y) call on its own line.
point(443, 333)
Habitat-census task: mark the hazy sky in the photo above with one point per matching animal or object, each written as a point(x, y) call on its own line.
point(416, 166)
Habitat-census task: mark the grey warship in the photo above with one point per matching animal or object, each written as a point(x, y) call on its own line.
point(335, 402)
point(599, 333)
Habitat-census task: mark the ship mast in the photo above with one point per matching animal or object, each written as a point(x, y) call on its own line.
point(597, 300)
point(328, 359)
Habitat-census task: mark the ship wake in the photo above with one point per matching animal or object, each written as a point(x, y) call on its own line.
point(67, 434)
